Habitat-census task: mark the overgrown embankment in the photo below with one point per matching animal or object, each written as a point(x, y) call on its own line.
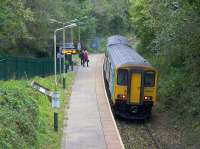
point(26, 116)
point(169, 37)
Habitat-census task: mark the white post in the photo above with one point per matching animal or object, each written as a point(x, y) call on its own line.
point(55, 58)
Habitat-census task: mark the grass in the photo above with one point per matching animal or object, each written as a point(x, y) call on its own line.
point(26, 115)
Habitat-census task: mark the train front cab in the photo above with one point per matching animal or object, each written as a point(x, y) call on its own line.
point(135, 92)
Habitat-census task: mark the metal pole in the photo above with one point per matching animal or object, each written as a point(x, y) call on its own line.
point(79, 36)
point(72, 35)
point(60, 69)
point(55, 58)
point(64, 58)
point(71, 54)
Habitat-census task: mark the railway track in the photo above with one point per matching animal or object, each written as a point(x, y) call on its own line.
point(154, 139)
point(137, 135)
point(149, 135)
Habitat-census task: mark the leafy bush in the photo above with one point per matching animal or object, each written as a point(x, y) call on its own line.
point(169, 36)
point(18, 115)
point(26, 116)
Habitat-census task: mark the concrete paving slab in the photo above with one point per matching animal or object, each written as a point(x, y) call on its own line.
point(89, 123)
point(84, 128)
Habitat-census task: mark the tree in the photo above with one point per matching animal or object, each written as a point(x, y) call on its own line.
point(13, 16)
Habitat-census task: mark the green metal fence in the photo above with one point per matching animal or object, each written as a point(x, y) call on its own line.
point(18, 67)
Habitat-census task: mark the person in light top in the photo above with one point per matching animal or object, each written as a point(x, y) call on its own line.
point(85, 57)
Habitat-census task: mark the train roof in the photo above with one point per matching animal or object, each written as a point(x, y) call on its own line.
point(117, 39)
point(123, 54)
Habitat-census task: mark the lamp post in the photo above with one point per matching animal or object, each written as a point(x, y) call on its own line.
point(55, 65)
point(63, 28)
point(56, 94)
point(64, 80)
point(60, 60)
point(63, 24)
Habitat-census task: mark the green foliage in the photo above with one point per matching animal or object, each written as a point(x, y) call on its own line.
point(142, 23)
point(169, 36)
point(26, 29)
point(113, 14)
point(27, 117)
point(18, 116)
point(170, 31)
point(13, 15)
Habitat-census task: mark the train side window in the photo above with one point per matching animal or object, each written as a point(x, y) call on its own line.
point(149, 79)
point(106, 54)
point(105, 63)
point(108, 63)
point(109, 70)
point(122, 77)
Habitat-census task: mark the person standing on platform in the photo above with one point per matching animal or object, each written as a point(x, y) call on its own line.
point(81, 56)
point(86, 58)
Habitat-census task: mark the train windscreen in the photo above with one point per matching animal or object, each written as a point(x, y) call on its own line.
point(149, 79)
point(122, 77)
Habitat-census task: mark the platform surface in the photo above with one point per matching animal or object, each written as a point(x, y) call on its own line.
point(89, 123)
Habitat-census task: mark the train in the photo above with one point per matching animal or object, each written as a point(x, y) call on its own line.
point(131, 80)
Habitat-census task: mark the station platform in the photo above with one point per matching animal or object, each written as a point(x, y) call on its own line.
point(89, 123)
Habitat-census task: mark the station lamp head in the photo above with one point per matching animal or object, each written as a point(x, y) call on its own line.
point(71, 25)
point(54, 21)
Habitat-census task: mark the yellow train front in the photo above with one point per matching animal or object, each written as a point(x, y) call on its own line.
point(130, 78)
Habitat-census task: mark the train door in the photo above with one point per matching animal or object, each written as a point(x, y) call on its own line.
point(135, 87)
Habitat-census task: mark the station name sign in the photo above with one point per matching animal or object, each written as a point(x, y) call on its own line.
point(70, 51)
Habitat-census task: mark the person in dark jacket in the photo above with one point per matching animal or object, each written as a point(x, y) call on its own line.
point(81, 56)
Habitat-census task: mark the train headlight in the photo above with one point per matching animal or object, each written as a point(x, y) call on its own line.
point(121, 97)
point(147, 98)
